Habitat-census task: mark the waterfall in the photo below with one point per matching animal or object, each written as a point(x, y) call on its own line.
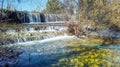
point(46, 18)
point(47, 21)
point(39, 18)
point(34, 17)
point(53, 17)
point(31, 17)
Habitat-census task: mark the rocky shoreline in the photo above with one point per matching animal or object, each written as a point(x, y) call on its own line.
point(7, 53)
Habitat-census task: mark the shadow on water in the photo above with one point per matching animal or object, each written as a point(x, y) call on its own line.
point(47, 60)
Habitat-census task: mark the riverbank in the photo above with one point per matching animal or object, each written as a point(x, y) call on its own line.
point(84, 53)
point(92, 58)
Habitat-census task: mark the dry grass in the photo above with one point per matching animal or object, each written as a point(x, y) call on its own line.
point(89, 41)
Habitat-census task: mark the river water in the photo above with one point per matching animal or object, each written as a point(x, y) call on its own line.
point(41, 53)
point(45, 53)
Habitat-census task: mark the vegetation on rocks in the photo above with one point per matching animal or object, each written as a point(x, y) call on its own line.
point(88, 41)
point(85, 54)
point(11, 32)
point(92, 58)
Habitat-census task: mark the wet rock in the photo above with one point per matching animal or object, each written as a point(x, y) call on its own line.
point(9, 53)
point(1, 44)
point(6, 65)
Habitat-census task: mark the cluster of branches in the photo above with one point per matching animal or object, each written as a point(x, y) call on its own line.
point(58, 6)
point(8, 3)
point(99, 11)
point(75, 29)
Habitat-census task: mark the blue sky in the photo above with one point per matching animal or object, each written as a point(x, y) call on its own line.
point(28, 5)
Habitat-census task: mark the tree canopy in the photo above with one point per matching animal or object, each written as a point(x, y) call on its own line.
point(54, 6)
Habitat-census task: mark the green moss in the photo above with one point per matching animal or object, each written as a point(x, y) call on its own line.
point(88, 56)
point(92, 58)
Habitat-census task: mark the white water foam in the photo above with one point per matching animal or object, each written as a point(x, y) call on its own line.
point(63, 37)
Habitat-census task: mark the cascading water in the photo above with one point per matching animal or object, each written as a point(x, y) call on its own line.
point(46, 20)
point(39, 18)
point(34, 17)
point(53, 17)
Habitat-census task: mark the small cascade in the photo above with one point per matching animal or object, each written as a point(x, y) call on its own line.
point(53, 17)
point(34, 17)
point(19, 40)
point(25, 18)
point(10, 32)
point(26, 39)
point(46, 18)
